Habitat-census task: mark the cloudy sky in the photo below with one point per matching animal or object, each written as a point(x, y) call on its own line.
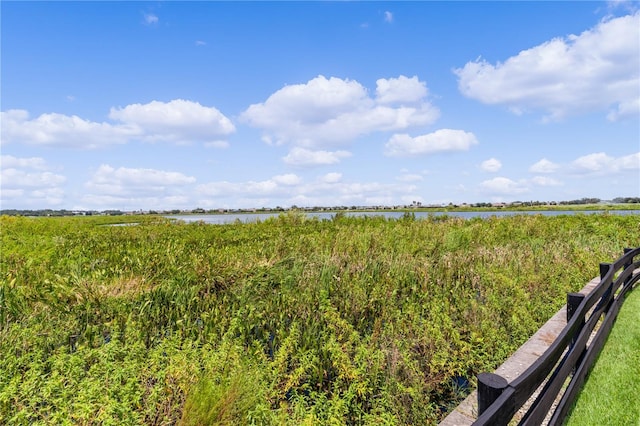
point(164, 105)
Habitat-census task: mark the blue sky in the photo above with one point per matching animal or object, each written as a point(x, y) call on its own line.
point(178, 105)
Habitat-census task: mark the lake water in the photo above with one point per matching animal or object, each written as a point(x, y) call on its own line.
point(221, 219)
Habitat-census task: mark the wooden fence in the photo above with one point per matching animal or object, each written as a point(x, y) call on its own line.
point(568, 355)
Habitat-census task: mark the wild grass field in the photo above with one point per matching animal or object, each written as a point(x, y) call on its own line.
point(288, 321)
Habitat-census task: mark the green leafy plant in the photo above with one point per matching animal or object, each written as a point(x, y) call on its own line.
point(354, 320)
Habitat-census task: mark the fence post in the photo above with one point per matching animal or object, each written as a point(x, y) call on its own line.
point(573, 301)
point(627, 264)
point(490, 387)
point(604, 268)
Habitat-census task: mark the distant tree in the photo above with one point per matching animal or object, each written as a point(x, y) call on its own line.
point(626, 200)
point(581, 201)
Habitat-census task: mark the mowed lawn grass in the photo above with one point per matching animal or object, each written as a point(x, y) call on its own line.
point(611, 394)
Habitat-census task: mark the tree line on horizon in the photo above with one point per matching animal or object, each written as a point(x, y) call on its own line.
point(65, 212)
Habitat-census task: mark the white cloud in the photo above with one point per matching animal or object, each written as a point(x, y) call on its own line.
point(598, 163)
point(134, 202)
point(630, 108)
point(544, 166)
point(356, 193)
point(491, 165)
point(253, 189)
point(200, 43)
point(62, 130)
point(333, 177)
point(11, 194)
point(217, 144)
point(288, 179)
point(305, 157)
point(32, 198)
point(628, 5)
point(28, 183)
point(128, 182)
point(319, 100)
point(545, 181)
point(400, 90)
point(324, 112)
point(137, 188)
point(288, 190)
point(601, 163)
point(593, 162)
point(11, 162)
point(388, 16)
point(595, 70)
point(410, 177)
point(150, 19)
point(629, 162)
point(439, 141)
point(503, 186)
point(20, 179)
point(176, 121)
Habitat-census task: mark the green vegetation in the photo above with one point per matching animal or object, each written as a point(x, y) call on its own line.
point(288, 321)
point(610, 395)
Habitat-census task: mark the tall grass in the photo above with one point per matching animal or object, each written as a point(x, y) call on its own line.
point(288, 321)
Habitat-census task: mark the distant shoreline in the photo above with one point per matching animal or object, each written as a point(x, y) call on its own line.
point(564, 207)
point(435, 209)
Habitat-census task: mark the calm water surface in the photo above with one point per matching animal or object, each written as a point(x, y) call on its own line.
point(221, 219)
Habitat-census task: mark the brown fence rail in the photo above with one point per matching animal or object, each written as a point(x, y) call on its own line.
point(568, 355)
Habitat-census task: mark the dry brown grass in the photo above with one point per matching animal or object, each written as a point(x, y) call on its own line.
point(126, 287)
